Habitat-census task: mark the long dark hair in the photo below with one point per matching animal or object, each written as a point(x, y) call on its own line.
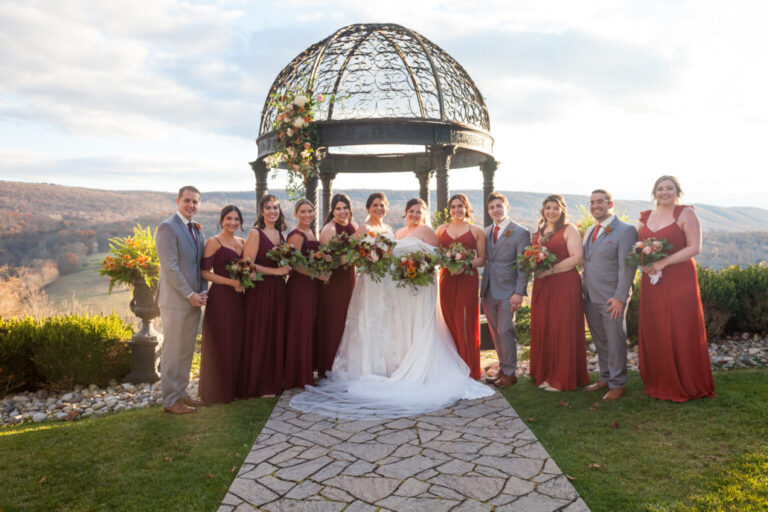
point(280, 224)
point(465, 201)
point(424, 210)
point(226, 210)
point(338, 198)
point(553, 198)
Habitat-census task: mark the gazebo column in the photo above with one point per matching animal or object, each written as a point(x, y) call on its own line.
point(310, 187)
point(261, 171)
point(424, 177)
point(327, 178)
point(442, 162)
point(489, 171)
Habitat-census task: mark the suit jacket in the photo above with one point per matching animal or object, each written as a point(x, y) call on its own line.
point(180, 257)
point(501, 278)
point(606, 272)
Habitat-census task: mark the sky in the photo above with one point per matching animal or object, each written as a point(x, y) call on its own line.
point(152, 95)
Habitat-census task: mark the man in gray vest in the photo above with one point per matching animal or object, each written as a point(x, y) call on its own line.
point(182, 293)
point(607, 286)
point(503, 286)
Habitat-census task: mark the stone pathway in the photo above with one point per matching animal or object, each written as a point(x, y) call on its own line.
point(477, 455)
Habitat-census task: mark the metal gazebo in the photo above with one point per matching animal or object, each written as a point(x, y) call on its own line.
point(398, 103)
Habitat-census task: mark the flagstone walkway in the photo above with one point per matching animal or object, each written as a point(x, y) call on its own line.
point(476, 455)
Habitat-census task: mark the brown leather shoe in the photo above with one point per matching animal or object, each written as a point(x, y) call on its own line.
point(597, 386)
point(614, 394)
point(494, 378)
point(179, 408)
point(506, 381)
point(191, 402)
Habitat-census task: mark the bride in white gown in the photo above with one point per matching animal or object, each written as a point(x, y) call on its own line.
point(396, 357)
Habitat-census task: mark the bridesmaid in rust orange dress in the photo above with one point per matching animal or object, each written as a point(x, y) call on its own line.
point(672, 348)
point(558, 348)
point(265, 307)
point(222, 338)
point(302, 303)
point(459, 293)
point(333, 298)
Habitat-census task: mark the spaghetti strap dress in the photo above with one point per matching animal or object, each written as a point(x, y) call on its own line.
point(460, 305)
point(672, 346)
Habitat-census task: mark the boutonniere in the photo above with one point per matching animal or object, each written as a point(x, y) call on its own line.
point(509, 232)
point(197, 225)
point(607, 230)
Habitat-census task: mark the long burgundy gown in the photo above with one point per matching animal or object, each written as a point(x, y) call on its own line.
point(558, 346)
point(222, 332)
point(261, 367)
point(672, 345)
point(332, 304)
point(300, 325)
point(459, 302)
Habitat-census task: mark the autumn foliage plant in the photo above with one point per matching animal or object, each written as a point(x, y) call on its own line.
point(132, 259)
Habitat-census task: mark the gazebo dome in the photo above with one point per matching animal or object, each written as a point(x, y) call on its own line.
point(382, 71)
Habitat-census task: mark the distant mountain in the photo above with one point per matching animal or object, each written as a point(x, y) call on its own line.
point(64, 224)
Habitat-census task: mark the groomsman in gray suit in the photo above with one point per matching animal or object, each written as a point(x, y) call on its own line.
point(607, 286)
point(503, 286)
point(182, 293)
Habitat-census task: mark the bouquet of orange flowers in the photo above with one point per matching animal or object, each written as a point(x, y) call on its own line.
point(244, 272)
point(287, 255)
point(371, 254)
point(415, 269)
point(647, 251)
point(131, 259)
point(535, 259)
point(323, 261)
point(456, 258)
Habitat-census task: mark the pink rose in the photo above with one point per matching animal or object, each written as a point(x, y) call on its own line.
point(320, 97)
point(647, 249)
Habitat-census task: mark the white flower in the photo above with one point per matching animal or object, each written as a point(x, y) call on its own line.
point(289, 132)
point(298, 122)
point(374, 256)
point(305, 154)
point(300, 101)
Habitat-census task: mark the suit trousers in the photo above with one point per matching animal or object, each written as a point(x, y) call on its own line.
point(610, 339)
point(501, 323)
point(179, 333)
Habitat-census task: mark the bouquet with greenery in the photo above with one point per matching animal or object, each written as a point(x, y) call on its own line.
point(131, 259)
point(323, 261)
point(647, 251)
point(244, 272)
point(287, 255)
point(536, 259)
point(415, 269)
point(456, 258)
point(371, 254)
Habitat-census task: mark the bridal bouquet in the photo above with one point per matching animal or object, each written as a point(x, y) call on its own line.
point(244, 272)
point(371, 254)
point(287, 255)
point(323, 261)
point(456, 258)
point(535, 259)
point(415, 269)
point(647, 251)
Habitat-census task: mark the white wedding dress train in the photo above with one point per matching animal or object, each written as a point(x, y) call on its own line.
point(396, 357)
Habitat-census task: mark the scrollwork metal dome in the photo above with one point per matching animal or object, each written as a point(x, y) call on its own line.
point(382, 71)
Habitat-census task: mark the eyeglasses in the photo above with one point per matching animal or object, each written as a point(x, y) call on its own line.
point(598, 202)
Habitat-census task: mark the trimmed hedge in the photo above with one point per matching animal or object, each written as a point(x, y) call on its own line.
point(62, 351)
point(734, 298)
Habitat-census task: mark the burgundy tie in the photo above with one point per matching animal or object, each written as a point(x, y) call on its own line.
point(192, 232)
point(495, 234)
point(595, 232)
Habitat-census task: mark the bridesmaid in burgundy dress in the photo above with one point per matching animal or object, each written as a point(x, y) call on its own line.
point(558, 346)
point(333, 298)
point(458, 293)
point(261, 368)
point(672, 347)
point(302, 303)
point(224, 312)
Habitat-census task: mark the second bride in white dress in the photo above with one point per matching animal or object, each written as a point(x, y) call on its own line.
point(396, 357)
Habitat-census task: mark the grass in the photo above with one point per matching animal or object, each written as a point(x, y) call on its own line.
point(639, 453)
point(137, 460)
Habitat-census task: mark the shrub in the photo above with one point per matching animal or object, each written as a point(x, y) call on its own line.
point(523, 325)
point(62, 351)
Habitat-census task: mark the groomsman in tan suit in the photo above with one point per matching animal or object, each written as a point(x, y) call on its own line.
point(503, 286)
point(182, 293)
point(607, 285)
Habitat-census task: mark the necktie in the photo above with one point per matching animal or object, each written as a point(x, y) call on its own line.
point(595, 232)
point(192, 232)
point(495, 234)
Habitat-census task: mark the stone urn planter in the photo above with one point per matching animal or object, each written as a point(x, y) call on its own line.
point(144, 343)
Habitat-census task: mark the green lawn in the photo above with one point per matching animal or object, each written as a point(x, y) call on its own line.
point(639, 453)
point(137, 460)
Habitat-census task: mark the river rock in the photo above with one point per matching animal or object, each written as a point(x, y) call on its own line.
point(39, 416)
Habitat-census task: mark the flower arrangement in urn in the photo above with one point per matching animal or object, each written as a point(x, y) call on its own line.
point(296, 145)
point(132, 259)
